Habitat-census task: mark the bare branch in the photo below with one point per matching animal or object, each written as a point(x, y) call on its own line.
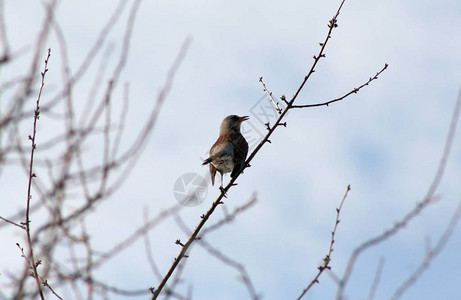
point(240, 268)
point(332, 24)
point(148, 248)
point(91, 55)
point(428, 198)
point(430, 255)
point(279, 110)
point(26, 89)
point(244, 276)
point(230, 217)
point(354, 91)
point(5, 55)
point(327, 258)
point(13, 223)
point(375, 283)
point(33, 263)
point(137, 234)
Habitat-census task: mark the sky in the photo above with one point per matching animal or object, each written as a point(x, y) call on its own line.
point(385, 141)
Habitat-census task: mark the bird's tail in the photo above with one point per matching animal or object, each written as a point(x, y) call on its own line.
point(207, 161)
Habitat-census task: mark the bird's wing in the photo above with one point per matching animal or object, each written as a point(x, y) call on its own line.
point(241, 151)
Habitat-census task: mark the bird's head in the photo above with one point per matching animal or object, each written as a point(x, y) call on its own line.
point(232, 123)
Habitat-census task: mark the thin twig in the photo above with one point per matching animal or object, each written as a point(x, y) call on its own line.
point(170, 291)
point(192, 238)
point(276, 104)
point(5, 55)
point(428, 198)
point(244, 276)
point(13, 223)
point(228, 218)
point(331, 25)
point(430, 255)
point(92, 53)
point(122, 119)
point(148, 248)
point(130, 156)
point(13, 112)
point(354, 91)
point(43, 281)
point(33, 263)
point(115, 289)
point(137, 234)
point(327, 258)
point(375, 282)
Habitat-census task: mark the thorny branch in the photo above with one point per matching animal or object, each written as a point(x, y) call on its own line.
point(271, 128)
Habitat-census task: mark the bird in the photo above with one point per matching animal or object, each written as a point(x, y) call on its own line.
point(229, 152)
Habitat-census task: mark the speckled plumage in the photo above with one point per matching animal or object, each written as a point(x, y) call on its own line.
point(229, 152)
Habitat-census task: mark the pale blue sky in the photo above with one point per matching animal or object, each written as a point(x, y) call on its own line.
point(385, 141)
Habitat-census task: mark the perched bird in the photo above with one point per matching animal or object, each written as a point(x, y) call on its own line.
point(229, 152)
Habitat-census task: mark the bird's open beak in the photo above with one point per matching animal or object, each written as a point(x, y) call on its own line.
point(244, 118)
